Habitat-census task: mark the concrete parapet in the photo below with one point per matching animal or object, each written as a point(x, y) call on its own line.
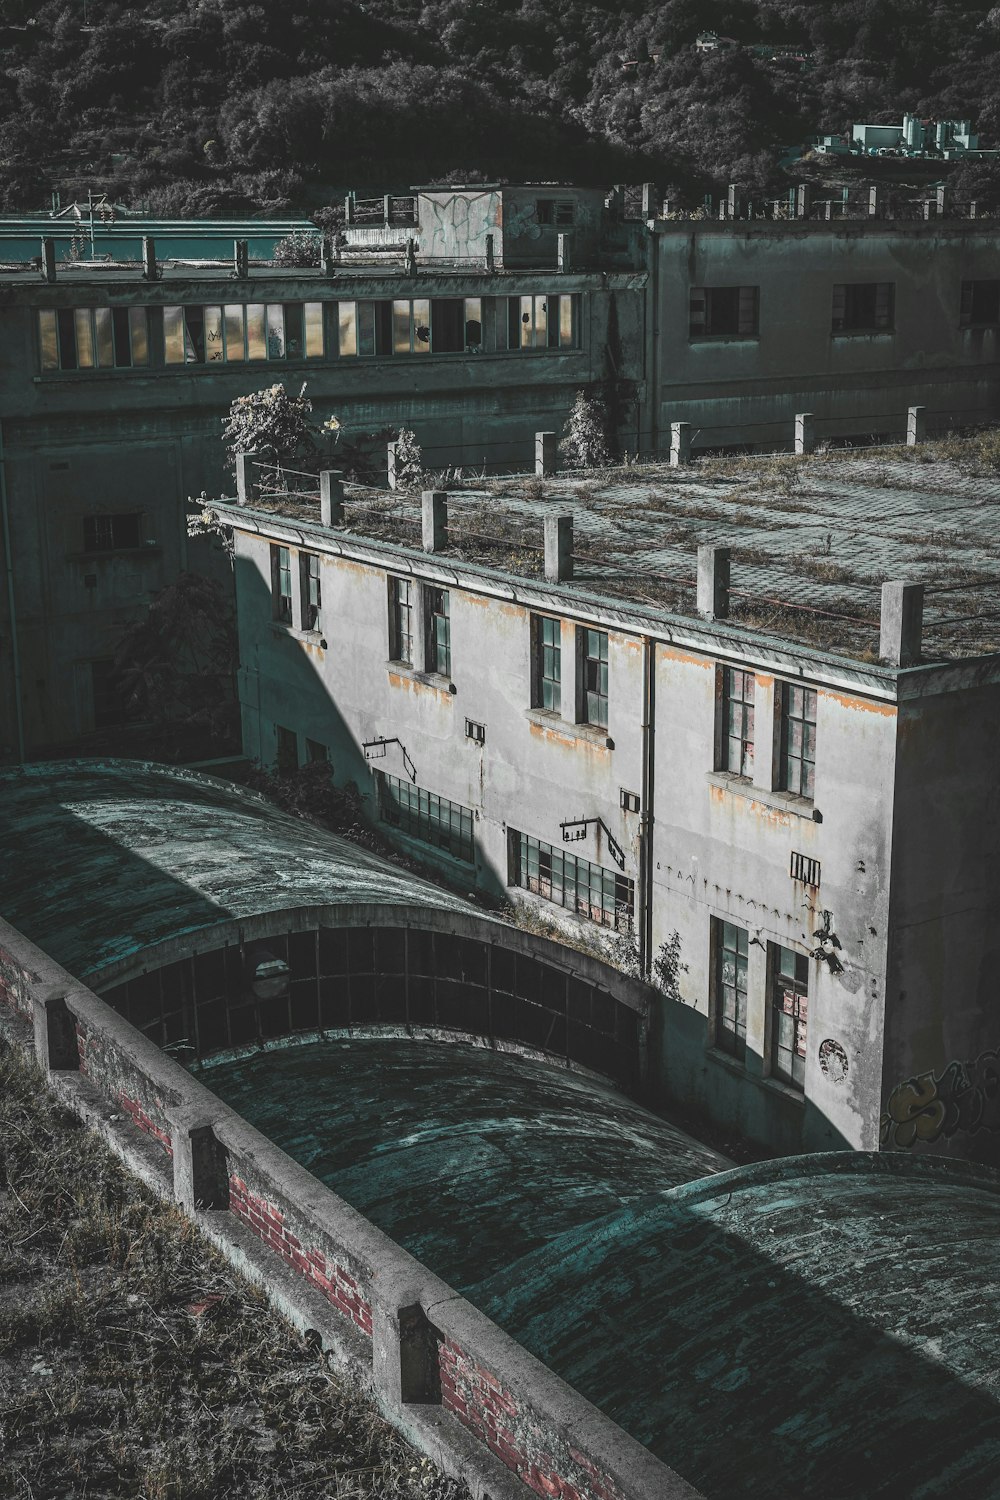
point(199, 1160)
point(331, 497)
point(805, 432)
point(558, 548)
point(545, 453)
point(713, 582)
point(680, 444)
point(901, 623)
point(434, 520)
point(916, 425)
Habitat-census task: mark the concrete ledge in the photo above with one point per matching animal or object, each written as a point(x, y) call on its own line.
point(417, 1343)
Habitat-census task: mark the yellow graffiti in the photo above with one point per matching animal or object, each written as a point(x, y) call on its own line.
point(915, 1110)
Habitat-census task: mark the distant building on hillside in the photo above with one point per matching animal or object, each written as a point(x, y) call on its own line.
point(950, 140)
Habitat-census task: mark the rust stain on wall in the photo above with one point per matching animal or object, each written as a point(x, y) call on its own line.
point(568, 742)
point(865, 705)
point(672, 653)
point(416, 685)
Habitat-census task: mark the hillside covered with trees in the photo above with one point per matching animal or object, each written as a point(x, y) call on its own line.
point(204, 105)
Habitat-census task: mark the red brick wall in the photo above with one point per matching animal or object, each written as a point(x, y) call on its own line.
point(139, 1101)
point(15, 985)
point(515, 1433)
point(268, 1222)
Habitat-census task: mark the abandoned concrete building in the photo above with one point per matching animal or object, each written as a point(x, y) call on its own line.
point(544, 1283)
point(471, 315)
point(780, 768)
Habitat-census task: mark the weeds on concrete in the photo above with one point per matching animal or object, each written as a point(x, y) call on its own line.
point(136, 1365)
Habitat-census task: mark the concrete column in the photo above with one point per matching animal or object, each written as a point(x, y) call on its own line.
point(805, 432)
point(680, 444)
point(241, 259)
point(874, 200)
point(326, 257)
point(901, 624)
point(916, 425)
point(434, 505)
point(734, 202)
point(545, 453)
point(149, 271)
point(386, 208)
point(404, 1352)
point(244, 478)
point(649, 200)
point(490, 262)
point(803, 200)
point(558, 548)
point(390, 450)
point(562, 252)
point(713, 582)
point(349, 209)
point(55, 1032)
point(410, 263)
point(49, 259)
point(201, 1176)
point(927, 208)
point(973, 209)
point(331, 497)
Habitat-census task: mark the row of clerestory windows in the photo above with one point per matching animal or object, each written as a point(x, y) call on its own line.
point(721, 312)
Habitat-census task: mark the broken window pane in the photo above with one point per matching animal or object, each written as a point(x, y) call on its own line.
point(104, 344)
point(347, 329)
point(213, 335)
point(473, 325)
point(421, 326)
point(275, 331)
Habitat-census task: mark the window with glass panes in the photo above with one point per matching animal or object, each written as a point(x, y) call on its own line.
point(798, 739)
point(594, 695)
point(455, 325)
point(118, 533)
point(548, 668)
point(233, 332)
point(281, 584)
point(438, 657)
point(311, 593)
point(426, 816)
point(93, 338)
point(589, 890)
point(737, 721)
point(789, 1014)
point(400, 620)
point(731, 947)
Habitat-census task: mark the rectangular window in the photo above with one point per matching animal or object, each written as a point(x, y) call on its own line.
point(400, 620)
point(556, 211)
point(215, 348)
point(107, 696)
point(138, 329)
point(426, 816)
point(589, 890)
point(256, 316)
point(723, 312)
point(281, 584)
point(594, 683)
point(347, 329)
point(438, 655)
point(48, 339)
point(287, 757)
point(547, 671)
point(236, 333)
point(293, 330)
point(66, 324)
point(84, 338)
point(863, 307)
point(411, 326)
point(980, 304)
point(789, 1014)
point(275, 331)
point(311, 595)
point(111, 533)
point(183, 335)
point(798, 739)
point(737, 721)
point(315, 344)
point(731, 948)
point(315, 751)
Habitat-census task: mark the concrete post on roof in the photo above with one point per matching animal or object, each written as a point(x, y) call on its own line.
point(390, 458)
point(244, 478)
point(943, 201)
point(803, 200)
point(874, 200)
point(562, 252)
point(916, 425)
point(901, 625)
point(805, 432)
point(201, 1176)
point(558, 548)
point(490, 257)
point(349, 209)
point(545, 453)
point(327, 261)
point(734, 202)
point(48, 258)
point(649, 200)
point(149, 270)
point(404, 1349)
point(331, 497)
point(410, 261)
point(56, 1049)
point(387, 209)
point(434, 520)
point(241, 259)
point(713, 582)
point(973, 208)
point(927, 209)
point(680, 444)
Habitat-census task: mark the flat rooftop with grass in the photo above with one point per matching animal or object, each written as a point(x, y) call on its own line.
point(811, 540)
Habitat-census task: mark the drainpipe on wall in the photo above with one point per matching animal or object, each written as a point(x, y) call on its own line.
point(646, 809)
point(9, 559)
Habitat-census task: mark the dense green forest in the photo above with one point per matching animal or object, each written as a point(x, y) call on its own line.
point(202, 105)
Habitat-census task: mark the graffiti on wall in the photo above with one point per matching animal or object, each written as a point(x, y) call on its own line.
point(962, 1099)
